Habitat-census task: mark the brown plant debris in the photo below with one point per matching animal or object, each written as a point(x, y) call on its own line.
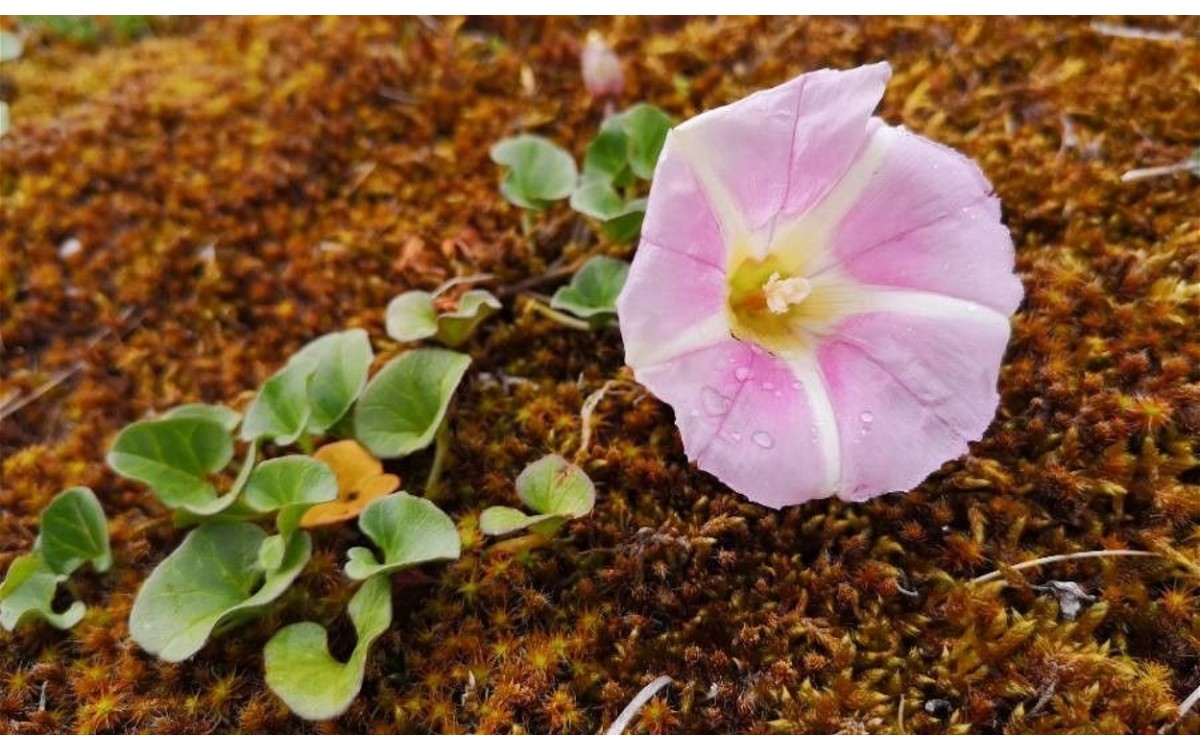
point(249, 184)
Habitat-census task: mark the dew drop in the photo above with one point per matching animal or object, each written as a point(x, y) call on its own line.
point(795, 385)
point(768, 385)
point(763, 439)
point(695, 412)
point(742, 374)
point(713, 402)
point(867, 417)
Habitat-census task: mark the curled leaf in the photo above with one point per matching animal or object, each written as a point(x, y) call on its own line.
point(28, 594)
point(222, 415)
point(404, 404)
point(410, 531)
point(553, 487)
point(414, 315)
point(74, 531)
point(174, 457)
point(539, 172)
point(212, 579)
point(300, 670)
point(593, 291)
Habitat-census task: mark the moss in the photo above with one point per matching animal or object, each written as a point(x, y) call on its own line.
point(244, 185)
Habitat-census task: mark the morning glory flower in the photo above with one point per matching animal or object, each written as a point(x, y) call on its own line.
point(822, 298)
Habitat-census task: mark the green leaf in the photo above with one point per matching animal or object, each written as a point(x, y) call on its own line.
point(174, 457)
point(222, 415)
point(212, 579)
point(316, 387)
point(339, 362)
point(28, 594)
point(74, 531)
point(280, 410)
point(606, 157)
point(403, 405)
point(593, 291)
point(598, 199)
point(300, 670)
point(627, 226)
point(474, 307)
point(411, 316)
point(646, 128)
point(10, 46)
point(410, 531)
point(290, 484)
point(539, 172)
point(554, 487)
point(500, 520)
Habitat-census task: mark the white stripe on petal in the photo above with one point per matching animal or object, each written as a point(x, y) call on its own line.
point(712, 330)
point(808, 375)
point(720, 199)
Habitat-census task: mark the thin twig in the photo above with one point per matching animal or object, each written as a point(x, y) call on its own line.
point(1059, 558)
point(1132, 32)
point(1189, 702)
point(1147, 173)
point(556, 316)
point(642, 698)
point(457, 280)
point(589, 408)
point(554, 274)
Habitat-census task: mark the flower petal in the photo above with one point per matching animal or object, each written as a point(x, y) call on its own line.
point(678, 214)
point(671, 304)
point(781, 149)
point(745, 418)
point(910, 391)
point(927, 219)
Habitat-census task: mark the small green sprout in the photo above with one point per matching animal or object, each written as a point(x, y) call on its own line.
point(313, 391)
point(74, 531)
point(215, 578)
point(625, 150)
point(414, 315)
point(300, 670)
point(593, 291)
point(405, 403)
point(556, 489)
point(289, 485)
point(539, 172)
point(410, 531)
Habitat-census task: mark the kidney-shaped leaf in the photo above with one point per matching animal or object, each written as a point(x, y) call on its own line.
point(411, 316)
point(339, 363)
point(554, 487)
point(74, 531)
point(646, 130)
point(300, 670)
point(539, 172)
point(410, 531)
point(28, 594)
point(222, 415)
point(212, 579)
point(174, 457)
point(404, 404)
point(281, 409)
point(290, 485)
point(593, 291)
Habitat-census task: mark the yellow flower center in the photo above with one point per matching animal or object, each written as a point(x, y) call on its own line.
point(770, 304)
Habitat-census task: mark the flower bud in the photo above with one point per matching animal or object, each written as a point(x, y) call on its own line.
point(602, 74)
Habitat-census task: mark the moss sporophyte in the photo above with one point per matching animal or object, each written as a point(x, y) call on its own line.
point(830, 318)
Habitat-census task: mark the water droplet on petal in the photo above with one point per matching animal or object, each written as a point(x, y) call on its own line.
point(713, 402)
point(763, 439)
point(742, 374)
point(867, 417)
point(695, 412)
point(795, 385)
point(767, 385)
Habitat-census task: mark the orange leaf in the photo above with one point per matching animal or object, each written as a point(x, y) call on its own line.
point(360, 480)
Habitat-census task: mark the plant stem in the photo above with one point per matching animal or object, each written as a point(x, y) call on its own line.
point(557, 317)
point(1059, 558)
point(305, 442)
point(642, 698)
point(441, 448)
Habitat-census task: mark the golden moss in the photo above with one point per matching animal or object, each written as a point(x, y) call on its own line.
point(182, 212)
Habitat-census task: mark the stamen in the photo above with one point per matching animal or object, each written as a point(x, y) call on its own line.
point(782, 293)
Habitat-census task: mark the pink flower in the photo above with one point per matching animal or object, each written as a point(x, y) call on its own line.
point(602, 75)
point(823, 299)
